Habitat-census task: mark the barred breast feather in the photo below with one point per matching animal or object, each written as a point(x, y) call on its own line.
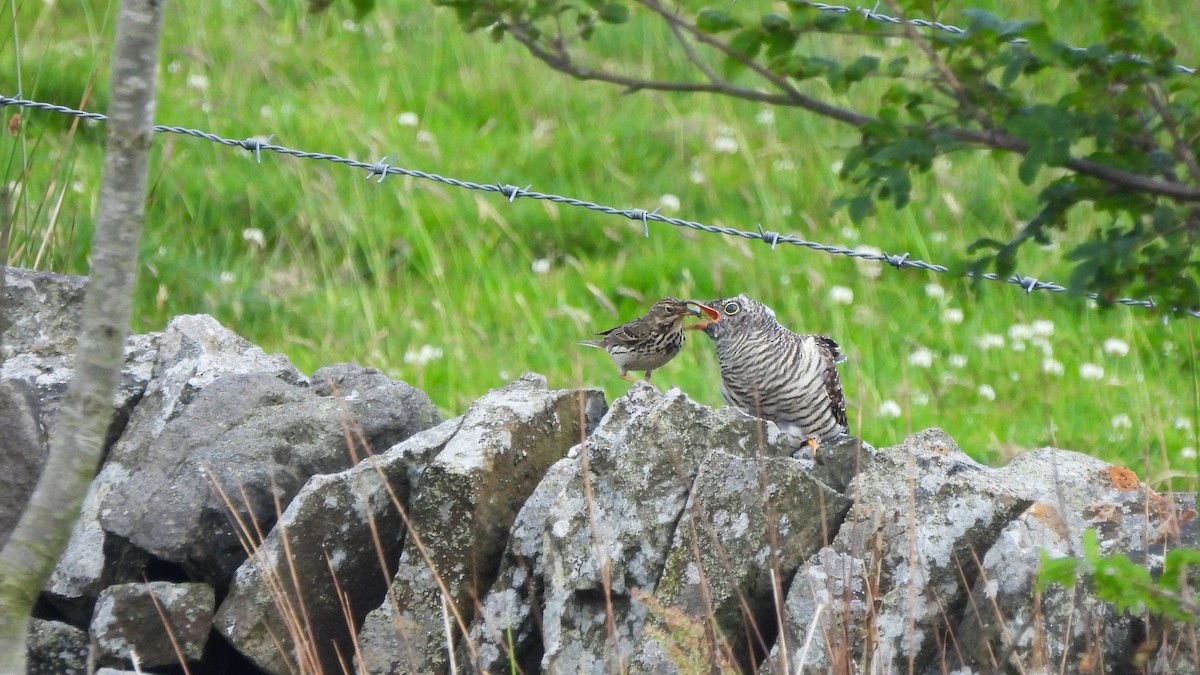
point(775, 374)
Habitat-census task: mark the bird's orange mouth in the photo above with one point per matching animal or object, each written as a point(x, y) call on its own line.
point(701, 309)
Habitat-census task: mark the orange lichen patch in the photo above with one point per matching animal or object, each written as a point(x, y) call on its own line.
point(1102, 512)
point(1123, 479)
point(1050, 518)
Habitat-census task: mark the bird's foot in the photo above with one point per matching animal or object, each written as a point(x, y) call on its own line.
point(629, 378)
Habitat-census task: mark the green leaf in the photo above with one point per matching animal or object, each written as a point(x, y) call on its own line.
point(775, 22)
point(614, 13)
point(747, 42)
point(712, 20)
point(1061, 571)
point(362, 7)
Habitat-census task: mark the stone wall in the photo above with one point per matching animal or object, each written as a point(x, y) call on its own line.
point(248, 518)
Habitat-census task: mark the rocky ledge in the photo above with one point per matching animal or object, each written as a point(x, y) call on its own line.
point(248, 518)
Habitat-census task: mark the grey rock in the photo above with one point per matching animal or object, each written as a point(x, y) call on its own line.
point(331, 528)
point(39, 346)
point(748, 524)
point(465, 505)
point(22, 451)
point(55, 648)
point(218, 472)
point(506, 629)
point(195, 350)
point(902, 563)
point(1007, 626)
point(611, 527)
point(148, 621)
point(383, 410)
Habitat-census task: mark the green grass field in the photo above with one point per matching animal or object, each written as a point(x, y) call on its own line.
point(458, 291)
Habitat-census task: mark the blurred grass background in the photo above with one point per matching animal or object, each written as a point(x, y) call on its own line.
point(457, 291)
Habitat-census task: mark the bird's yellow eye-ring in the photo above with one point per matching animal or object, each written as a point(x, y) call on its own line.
point(732, 308)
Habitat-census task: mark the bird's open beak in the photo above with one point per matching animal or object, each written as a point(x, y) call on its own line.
point(702, 310)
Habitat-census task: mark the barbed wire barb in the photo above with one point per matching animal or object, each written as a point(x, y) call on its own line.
point(511, 192)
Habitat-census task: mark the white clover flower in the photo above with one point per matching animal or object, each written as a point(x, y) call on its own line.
point(889, 408)
point(952, 204)
point(77, 186)
point(836, 167)
point(254, 236)
point(266, 112)
point(784, 165)
point(174, 67)
point(424, 136)
point(1116, 347)
point(1122, 421)
point(920, 398)
point(1042, 328)
point(841, 295)
point(935, 290)
point(227, 277)
point(421, 357)
point(197, 81)
point(1091, 371)
point(1018, 346)
point(952, 315)
point(989, 341)
point(921, 358)
point(986, 391)
point(669, 202)
point(1052, 367)
point(540, 266)
point(937, 237)
point(1020, 331)
point(957, 360)
point(1187, 452)
point(1183, 423)
point(408, 119)
point(697, 176)
point(726, 145)
point(765, 116)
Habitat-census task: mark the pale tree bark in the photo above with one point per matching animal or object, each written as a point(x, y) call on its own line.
point(77, 441)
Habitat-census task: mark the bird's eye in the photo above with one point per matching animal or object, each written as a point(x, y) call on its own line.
point(732, 308)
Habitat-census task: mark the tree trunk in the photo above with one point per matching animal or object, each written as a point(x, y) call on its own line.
point(77, 440)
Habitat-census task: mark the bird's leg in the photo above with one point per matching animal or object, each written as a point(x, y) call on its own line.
point(813, 444)
point(627, 377)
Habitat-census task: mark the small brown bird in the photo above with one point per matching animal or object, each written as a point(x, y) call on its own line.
point(649, 342)
point(774, 374)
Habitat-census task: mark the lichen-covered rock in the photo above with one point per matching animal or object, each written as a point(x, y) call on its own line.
point(902, 564)
point(56, 648)
point(162, 623)
point(1008, 620)
point(748, 524)
point(506, 629)
point(337, 530)
point(461, 515)
point(609, 532)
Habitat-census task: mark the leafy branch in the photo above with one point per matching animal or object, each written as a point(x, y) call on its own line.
point(1116, 123)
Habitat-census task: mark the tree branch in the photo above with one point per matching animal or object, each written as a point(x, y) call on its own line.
point(993, 139)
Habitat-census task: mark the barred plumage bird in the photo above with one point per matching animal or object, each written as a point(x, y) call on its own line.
point(774, 374)
point(649, 342)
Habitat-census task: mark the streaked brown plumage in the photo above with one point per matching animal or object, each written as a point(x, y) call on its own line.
point(648, 342)
point(772, 373)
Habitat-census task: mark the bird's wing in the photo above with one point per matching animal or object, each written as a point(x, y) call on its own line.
point(634, 331)
point(832, 381)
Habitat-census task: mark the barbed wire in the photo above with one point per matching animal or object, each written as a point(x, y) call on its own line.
point(382, 170)
point(949, 28)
